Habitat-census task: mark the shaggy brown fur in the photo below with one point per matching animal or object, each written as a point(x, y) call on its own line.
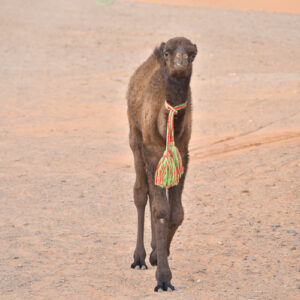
point(165, 75)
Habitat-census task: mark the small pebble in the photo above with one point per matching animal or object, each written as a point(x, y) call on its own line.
point(191, 279)
point(293, 248)
point(252, 257)
point(293, 232)
point(245, 192)
point(202, 270)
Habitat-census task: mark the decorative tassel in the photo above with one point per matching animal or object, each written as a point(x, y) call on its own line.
point(170, 167)
point(177, 158)
point(167, 173)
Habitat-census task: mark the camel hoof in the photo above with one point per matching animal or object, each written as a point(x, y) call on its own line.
point(164, 286)
point(139, 266)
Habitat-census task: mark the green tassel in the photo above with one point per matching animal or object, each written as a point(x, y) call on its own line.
point(167, 173)
point(176, 157)
point(170, 167)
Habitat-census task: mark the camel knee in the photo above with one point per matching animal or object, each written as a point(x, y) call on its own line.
point(177, 216)
point(161, 215)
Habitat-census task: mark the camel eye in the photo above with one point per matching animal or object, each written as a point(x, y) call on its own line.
point(166, 54)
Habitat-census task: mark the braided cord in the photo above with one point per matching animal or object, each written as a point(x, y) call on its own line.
point(170, 168)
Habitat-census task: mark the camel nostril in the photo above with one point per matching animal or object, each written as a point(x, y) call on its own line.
point(180, 63)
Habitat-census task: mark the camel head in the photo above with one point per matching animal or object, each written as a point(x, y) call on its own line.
point(177, 56)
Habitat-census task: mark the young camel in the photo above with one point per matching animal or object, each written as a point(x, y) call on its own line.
point(164, 76)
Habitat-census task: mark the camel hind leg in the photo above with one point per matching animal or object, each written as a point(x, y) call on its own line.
point(176, 209)
point(140, 193)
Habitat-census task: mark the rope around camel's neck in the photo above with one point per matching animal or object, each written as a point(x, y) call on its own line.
point(170, 167)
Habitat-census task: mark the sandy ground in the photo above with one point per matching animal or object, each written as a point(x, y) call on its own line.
point(287, 6)
point(67, 218)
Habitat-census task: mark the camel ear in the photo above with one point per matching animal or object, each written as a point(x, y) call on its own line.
point(159, 51)
point(195, 52)
point(162, 47)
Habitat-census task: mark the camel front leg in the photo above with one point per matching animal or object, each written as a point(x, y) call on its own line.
point(153, 255)
point(161, 216)
point(160, 213)
point(140, 193)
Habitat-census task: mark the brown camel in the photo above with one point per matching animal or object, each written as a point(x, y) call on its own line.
point(164, 76)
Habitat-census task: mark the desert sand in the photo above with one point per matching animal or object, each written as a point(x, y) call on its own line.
point(67, 218)
point(287, 6)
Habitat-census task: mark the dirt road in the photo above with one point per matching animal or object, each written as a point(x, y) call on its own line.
point(67, 218)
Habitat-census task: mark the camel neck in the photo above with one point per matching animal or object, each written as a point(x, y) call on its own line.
point(177, 90)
